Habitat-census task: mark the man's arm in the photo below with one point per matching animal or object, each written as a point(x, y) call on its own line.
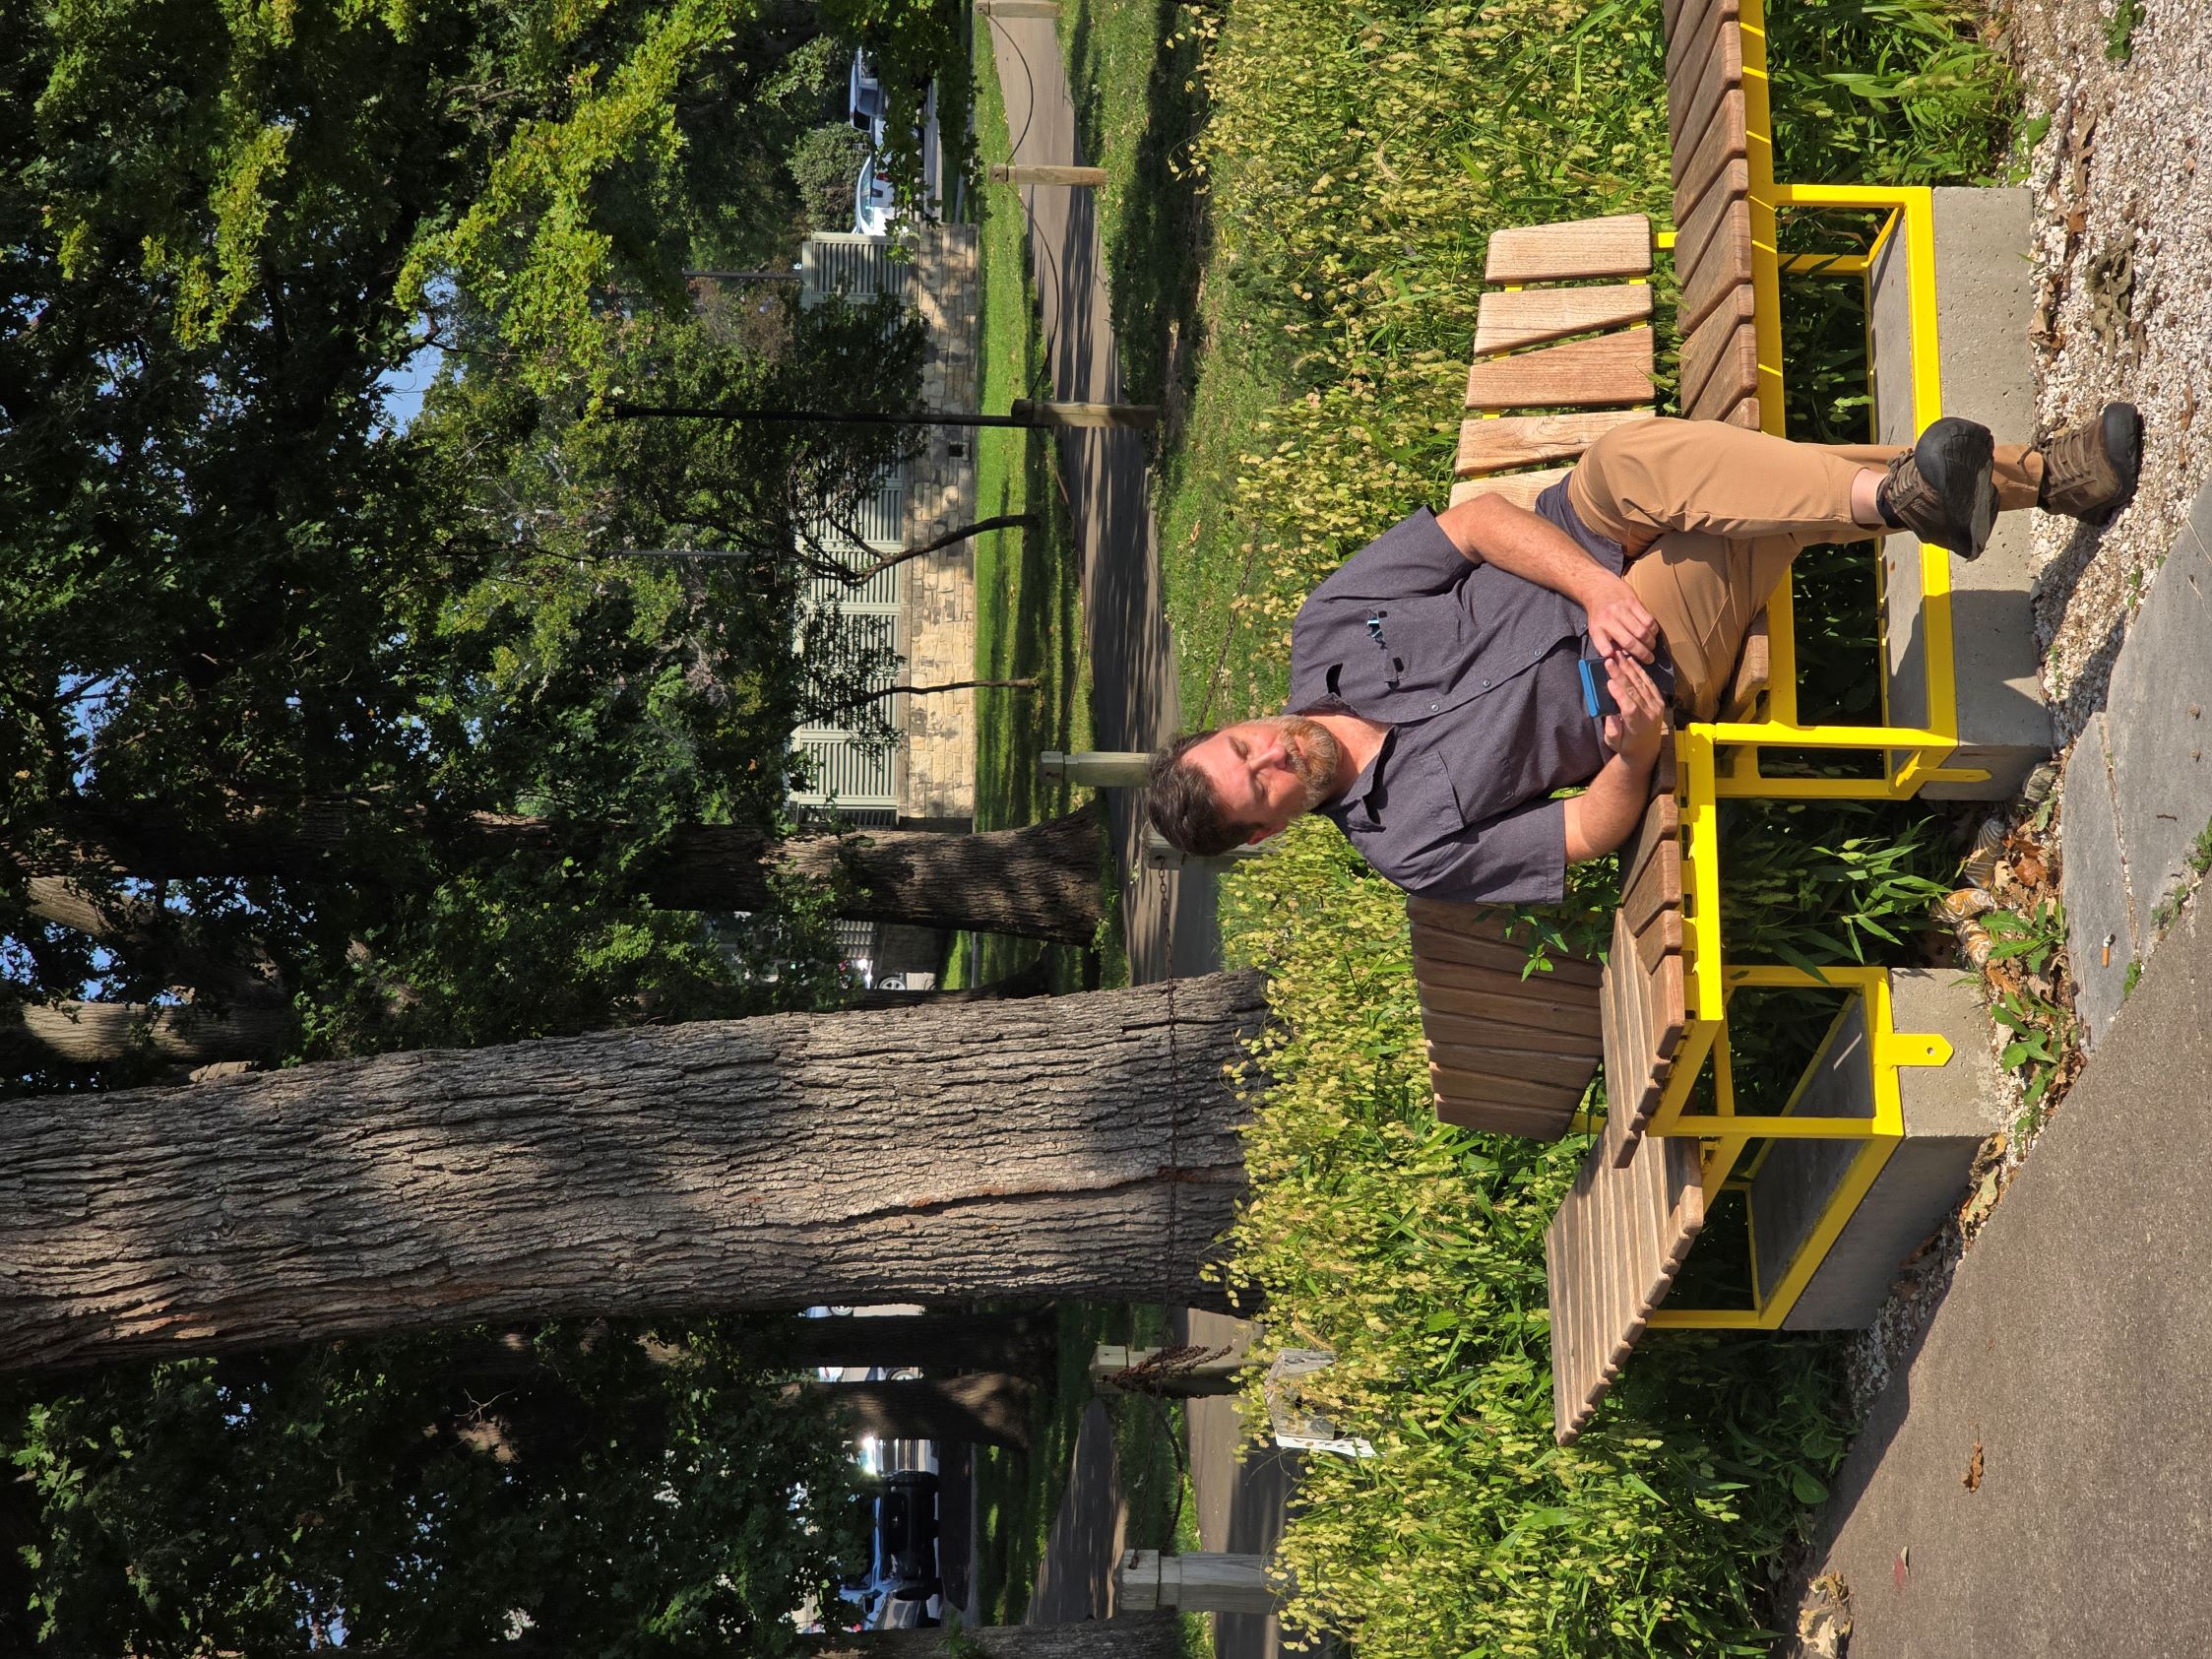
point(1607, 813)
point(1489, 529)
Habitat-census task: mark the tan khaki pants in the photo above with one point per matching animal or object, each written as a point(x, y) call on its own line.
point(1712, 515)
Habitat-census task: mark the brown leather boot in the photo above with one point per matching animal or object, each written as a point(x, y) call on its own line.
point(1941, 489)
point(2089, 473)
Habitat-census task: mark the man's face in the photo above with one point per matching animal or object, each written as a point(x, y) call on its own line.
point(1267, 772)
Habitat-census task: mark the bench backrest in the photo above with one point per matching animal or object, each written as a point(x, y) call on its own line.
point(1509, 1051)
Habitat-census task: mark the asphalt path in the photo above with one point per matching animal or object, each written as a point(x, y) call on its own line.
point(1168, 918)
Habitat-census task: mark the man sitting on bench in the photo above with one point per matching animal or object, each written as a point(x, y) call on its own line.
point(1438, 687)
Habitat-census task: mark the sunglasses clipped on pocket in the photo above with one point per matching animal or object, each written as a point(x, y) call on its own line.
point(1596, 696)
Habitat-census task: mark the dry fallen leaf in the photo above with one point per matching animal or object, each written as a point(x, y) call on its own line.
point(2078, 221)
point(1971, 1480)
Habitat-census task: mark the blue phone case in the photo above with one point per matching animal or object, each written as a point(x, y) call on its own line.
point(1597, 698)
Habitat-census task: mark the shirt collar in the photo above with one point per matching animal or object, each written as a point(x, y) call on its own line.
point(1339, 807)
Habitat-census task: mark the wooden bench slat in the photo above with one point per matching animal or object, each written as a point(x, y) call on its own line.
point(1489, 949)
point(1609, 368)
point(1449, 1025)
point(1476, 1080)
point(1663, 822)
point(1523, 1065)
point(1661, 936)
point(1672, 14)
point(1712, 175)
point(1466, 1109)
point(1531, 1013)
point(1615, 246)
point(1505, 322)
point(1722, 272)
point(1520, 489)
point(1734, 377)
point(1617, 1244)
point(1548, 1038)
point(1473, 968)
point(1703, 234)
point(1719, 364)
point(1695, 30)
point(1723, 137)
point(1656, 886)
point(1694, 90)
point(1639, 1089)
point(1519, 440)
point(1746, 414)
point(1755, 664)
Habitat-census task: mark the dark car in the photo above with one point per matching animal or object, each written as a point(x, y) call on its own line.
point(905, 1533)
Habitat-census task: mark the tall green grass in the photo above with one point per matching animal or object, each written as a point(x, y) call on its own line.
point(1352, 165)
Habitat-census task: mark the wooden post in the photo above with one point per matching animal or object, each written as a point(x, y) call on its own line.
point(1017, 8)
point(1202, 1581)
point(1118, 417)
point(1079, 178)
point(1100, 768)
point(1159, 854)
point(1204, 1374)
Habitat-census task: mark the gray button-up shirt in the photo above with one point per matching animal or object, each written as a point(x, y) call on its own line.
point(1474, 671)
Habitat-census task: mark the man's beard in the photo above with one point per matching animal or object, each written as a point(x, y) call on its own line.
point(1314, 756)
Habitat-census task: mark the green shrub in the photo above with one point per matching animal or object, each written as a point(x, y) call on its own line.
point(825, 165)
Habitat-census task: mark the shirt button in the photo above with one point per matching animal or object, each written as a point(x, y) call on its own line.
point(1485, 685)
point(1433, 708)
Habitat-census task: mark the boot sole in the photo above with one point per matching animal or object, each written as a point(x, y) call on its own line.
point(2121, 429)
point(1953, 458)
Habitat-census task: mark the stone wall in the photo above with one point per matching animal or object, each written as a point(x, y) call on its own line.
point(939, 785)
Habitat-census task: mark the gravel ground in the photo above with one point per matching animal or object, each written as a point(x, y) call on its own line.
point(2123, 272)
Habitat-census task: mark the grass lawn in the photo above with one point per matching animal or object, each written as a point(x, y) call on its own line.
point(1136, 74)
point(1029, 622)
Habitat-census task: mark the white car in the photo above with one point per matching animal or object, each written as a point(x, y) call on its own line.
point(874, 203)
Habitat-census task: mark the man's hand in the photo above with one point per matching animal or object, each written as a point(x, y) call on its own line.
point(1635, 733)
point(1619, 625)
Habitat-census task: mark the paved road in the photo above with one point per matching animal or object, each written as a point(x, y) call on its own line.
point(2071, 1348)
point(1168, 919)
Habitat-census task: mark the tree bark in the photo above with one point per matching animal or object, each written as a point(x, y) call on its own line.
point(990, 1408)
point(941, 1344)
point(1003, 521)
point(100, 1033)
point(1040, 882)
point(1069, 1146)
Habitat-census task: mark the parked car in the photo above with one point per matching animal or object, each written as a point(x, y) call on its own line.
point(873, 201)
point(906, 1530)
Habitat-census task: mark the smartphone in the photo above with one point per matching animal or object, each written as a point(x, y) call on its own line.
point(1596, 696)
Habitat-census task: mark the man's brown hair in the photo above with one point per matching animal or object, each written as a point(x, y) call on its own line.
point(1184, 807)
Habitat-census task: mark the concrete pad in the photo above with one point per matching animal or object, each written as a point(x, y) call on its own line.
point(2160, 713)
point(2093, 880)
point(2069, 1349)
point(1986, 374)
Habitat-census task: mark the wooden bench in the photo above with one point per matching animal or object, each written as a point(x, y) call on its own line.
point(1509, 1051)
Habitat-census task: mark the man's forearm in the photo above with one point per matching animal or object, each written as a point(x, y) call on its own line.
point(1601, 817)
point(1489, 529)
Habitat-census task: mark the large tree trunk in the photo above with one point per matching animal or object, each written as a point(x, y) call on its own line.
point(990, 1408)
point(941, 1344)
point(1071, 1146)
point(1040, 882)
point(102, 1033)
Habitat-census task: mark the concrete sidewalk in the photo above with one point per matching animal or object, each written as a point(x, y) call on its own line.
point(2068, 1362)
